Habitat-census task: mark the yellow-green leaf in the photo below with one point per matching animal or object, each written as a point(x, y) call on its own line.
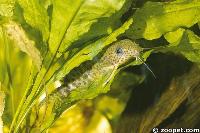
point(2, 105)
point(6, 7)
point(36, 16)
point(157, 18)
point(186, 43)
point(90, 51)
point(16, 33)
point(73, 19)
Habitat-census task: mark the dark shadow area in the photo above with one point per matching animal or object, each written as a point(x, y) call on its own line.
point(165, 68)
point(195, 29)
point(177, 114)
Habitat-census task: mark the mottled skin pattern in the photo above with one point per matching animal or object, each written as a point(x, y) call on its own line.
point(98, 76)
point(116, 55)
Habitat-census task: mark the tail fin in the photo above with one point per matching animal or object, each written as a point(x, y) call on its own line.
point(147, 66)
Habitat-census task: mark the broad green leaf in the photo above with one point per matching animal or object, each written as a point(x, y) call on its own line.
point(186, 43)
point(30, 98)
point(120, 89)
point(16, 33)
point(62, 17)
point(74, 115)
point(15, 67)
point(97, 122)
point(40, 77)
point(46, 3)
point(174, 36)
point(56, 107)
point(88, 14)
point(6, 7)
point(104, 26)
point(90, 51)
point(2, 57)
point(117, 97)
point(116, 106)
point(36, 16)
point(95, 88)
point(157, 18)
point(83, 14)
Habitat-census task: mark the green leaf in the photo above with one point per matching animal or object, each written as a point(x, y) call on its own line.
point(2, 57)
point(186, 43)
point(62, 17)
point(88, 14)
point(6, 7)
point(36, 16)
point(155, 18)
point(33, 91)
point(99, 84)
point(96, 122)
point(2, 106)
point(15, 68)
point(174, 36)
point(83, 13)
point(90, 51)
point(144, 56)
point(30, 98)
point(117, 97)
point(104, 26)
point(74, 115)
point(16, 33)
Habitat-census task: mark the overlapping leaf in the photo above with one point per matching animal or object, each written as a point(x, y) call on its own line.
point(2, 106)
point(16, 33)
point(157, 18)
point(78, 31)
point(38, 78)
point(117, 99)
point(184, 42)
point(6, 7)
point(76, 18)
point(90, 51)
point(36, 16)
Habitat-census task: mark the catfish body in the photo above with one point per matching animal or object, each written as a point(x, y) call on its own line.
point(93, 81)
point(116, 55)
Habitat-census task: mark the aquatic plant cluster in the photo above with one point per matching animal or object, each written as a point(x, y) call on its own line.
point(99, 65)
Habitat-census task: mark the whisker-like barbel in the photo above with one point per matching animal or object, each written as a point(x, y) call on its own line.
point(146, 66)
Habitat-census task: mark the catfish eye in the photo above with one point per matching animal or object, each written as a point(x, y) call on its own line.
point(119, 51)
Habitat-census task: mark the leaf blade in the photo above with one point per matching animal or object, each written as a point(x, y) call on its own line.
point(36, 15)
point(156, 18)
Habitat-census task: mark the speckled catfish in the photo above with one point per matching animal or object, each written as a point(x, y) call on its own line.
point(92, 82)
